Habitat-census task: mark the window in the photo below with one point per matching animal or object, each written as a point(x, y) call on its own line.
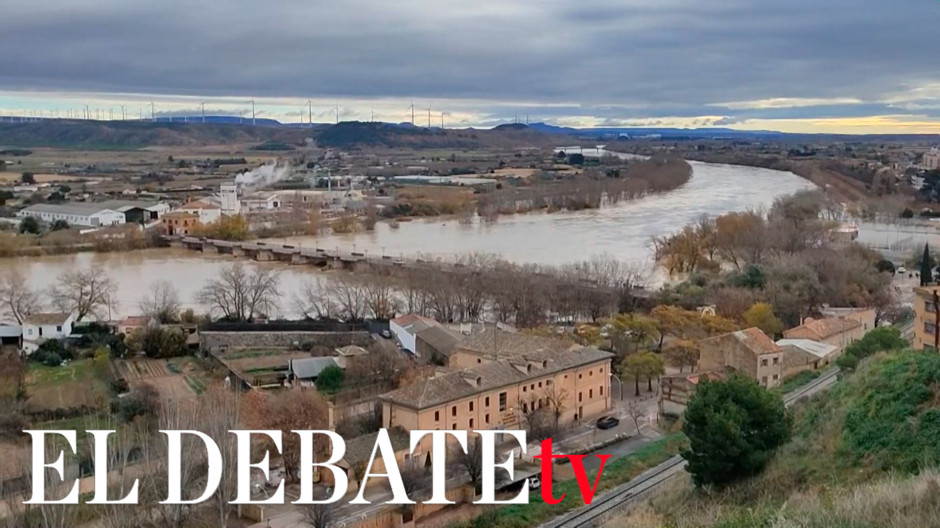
point(453, 411)
point(502, 401)
point(590, 393)
point(437, 416)
point(579, 396)
point(58, 328)
point(471, 423)
point(763, 381)
point(579, 376)
point(602, 390)
point(930, 328)
point(453, 426)
point(532, 387)
point(540, 384)
point(549, 382)
point(591, 373)
point(775, 377)
point(928, 307)
point(471, 406)
point(524, 388)
point(763, 362)
point(486, 402)
point(479, 360)
point(776, 361)
point(486, 418)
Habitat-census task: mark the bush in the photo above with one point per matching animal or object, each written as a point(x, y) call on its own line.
point(141, 402)
point(51, 359)
point(734, 427)
point(331, 379)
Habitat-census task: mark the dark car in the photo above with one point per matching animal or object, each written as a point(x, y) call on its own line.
point(607, 422)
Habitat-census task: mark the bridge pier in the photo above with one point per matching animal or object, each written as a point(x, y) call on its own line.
point(298, 259)
point(237, 251)
point(208, 247)
point(264, 256)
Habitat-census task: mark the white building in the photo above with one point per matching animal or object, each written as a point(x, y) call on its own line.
point(207, 212)
point(138, 211)
point(40, 327)
point(228, 199)
point(932, 159)
point(406, 327)
point(79, 214)
point(261, 201)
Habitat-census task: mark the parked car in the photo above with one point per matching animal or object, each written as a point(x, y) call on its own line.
point(607, 422)
point(901, 270)
point(386, 334)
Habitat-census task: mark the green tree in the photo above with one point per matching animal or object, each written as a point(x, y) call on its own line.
point(158, 342)
point(331, 379)
point(733, 426)
point(762, 316)
point(29, 226)
point(58, 225)
point(926, 267)
point(28, 178)
point(647, 365)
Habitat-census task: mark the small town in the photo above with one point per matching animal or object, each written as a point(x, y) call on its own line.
point(500, 264)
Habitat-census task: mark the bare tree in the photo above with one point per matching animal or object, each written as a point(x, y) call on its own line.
point(469, 462)
point(161, 303)
point(220, 414)
point(313, 300)
point(84, 293)
point(380, 297)
point(555, 401)
point(635, 412)
point(349, 296)
point(412, 475)
point(318, 515)
point(241, 294)
point(53, 515)
point(17, 299)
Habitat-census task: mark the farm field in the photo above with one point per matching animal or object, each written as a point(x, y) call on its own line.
point(74, 386)
point(174, 379)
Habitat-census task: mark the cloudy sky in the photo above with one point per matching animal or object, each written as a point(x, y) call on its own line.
point(858, 66)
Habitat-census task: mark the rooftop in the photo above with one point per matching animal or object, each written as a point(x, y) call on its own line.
point(439, 338)
point(47, 318)
point(79, 209)
point(815, 348)
point(753, 338)
point(822, 328)
point(359, 449)
point(198, 204)
point(307, 368)
point(410, 319)
point(494, 343)
point(443, 388)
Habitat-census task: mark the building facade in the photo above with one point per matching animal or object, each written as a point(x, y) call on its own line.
point(179, 223)
point(78, 214)
point(931, 159)
point(925, 318)
point(836, 331)
point(41, 327)
point(207, 212)
point(750, 352)
point(572, 386)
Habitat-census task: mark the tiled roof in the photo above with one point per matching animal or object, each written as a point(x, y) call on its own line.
point(359, 449)
point(135, 320)
point(78, 209)
point(815, 348)
point(47, 318)
point(493, 343)
point(821, 329)
point(180, 214)
point(755, 339)
point(410, 319)
point(485, 377)
point(197, 204)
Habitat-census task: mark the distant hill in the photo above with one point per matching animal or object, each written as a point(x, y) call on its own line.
point(358, 134)
point(139, 134)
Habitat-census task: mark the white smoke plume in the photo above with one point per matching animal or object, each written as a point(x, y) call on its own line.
point(263, 176)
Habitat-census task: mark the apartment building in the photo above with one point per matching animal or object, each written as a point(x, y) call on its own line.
point(925, 318)
point(499, 394)
point(750, 352)
point(492, 344)
point(931, 159)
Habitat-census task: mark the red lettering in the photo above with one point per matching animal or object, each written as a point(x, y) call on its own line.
point(577, 464)
point(546, 457)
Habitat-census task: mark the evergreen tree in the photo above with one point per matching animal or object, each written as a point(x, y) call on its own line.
point(734, 426)
point(926, 271)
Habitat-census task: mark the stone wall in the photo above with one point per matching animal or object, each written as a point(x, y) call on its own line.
point(212, 341)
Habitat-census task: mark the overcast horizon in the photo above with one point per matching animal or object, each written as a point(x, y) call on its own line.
point(840, 67)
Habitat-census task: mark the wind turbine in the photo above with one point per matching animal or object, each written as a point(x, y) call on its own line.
point(442, 120)
point(110, 114)
point(372, 110)
point(309, 113)
point(153, 113)
point(123, 113)
point(252, 111)
point(429, 114)
point(412, 112)
point(336, 107)
point(203, 104)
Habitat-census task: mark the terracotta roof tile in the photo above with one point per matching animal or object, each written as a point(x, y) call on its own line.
point(821, 329)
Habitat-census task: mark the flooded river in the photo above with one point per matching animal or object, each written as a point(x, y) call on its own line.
point(623, 230)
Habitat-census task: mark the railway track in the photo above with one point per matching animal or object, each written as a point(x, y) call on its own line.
point(631, 492)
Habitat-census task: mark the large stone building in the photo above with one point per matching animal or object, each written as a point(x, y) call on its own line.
point(500, 394)
point(491, 344)
point(931, 159)
point(749, 352)
point(840, 331)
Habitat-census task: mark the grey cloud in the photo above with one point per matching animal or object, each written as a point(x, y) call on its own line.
point(620, 59)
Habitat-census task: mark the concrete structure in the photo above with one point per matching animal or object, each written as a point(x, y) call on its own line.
point(925, 318)
point(931, 159)
point(436, 343)
point(228, 199)
point(500, 394)
point(749, 352)
point(41, 327)
point(805, 354)
point(77, 214)
point(179, 223)
point(677, 389)
point(406, 327)
point(207, 212)
point(261, 201)
point(837, 331)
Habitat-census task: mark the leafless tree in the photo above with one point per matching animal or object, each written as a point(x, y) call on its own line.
point(469, 462)
point(635, 412)
point(84, 293)
point(380, 297)
point(172, 415)
point(220, 410)
point(313, 300)
point(161, 303)
point(241, 294)
point(17, 299)
point(318, 515)
point(123, 448)
point(555, 401)
point(412, 475)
